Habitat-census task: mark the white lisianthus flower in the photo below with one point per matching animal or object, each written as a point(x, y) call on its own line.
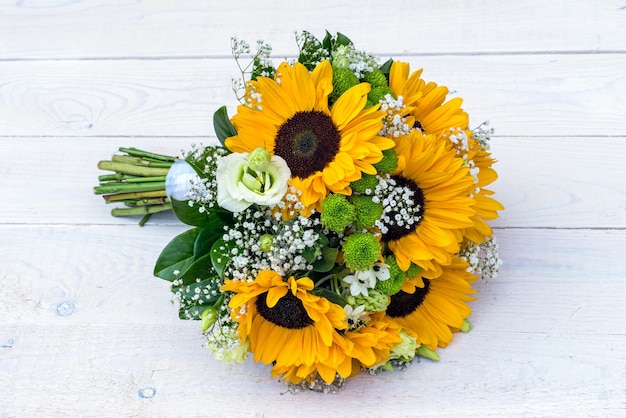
point(247, 178)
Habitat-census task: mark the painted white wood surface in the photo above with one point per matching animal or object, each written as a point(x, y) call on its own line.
point(80, 78)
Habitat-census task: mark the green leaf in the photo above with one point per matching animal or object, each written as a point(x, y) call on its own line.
point(189, 215)
point(208, 235)
point(343, 39)
point(327, 42)
point(327, 262)
point(386, 67)
point(331, 296)
point(220, 256)
point(222, 125)
point(200, 269)
point(177, 255)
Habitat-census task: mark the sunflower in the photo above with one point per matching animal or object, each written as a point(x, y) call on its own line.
point(373, 342)
point(325, 148)
point(285, 324)
point(429, 204)
point(432, 309)
point(368, 346)
point(425, 107)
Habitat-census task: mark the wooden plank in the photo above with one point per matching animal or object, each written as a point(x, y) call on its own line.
point(522, 95)
point(546, 338)
point(50, 180)
point(77, 29)
point(105, 274)
point(88, 368)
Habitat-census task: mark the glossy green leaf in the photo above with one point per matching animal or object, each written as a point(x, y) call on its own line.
point(177, 255)
point(222, 125)
point(331, 296)
point(327, 262)
point(220, 256)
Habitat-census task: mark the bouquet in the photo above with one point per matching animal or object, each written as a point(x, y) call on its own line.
point(340, 224)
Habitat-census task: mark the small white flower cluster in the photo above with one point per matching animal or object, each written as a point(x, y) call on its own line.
point(189, 297)
point(260, 65)
point(203, 191)
point(361, 281)
point(309, 49)
point(225, 344)
point(458, 137)
point(289, 240)
point(482, 134)
point(359, 62)
point(239, 47)
point(393, 124)
point(399, 208)
point(484, 260)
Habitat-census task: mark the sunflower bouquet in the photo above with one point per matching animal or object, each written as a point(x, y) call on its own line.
point(339, 225)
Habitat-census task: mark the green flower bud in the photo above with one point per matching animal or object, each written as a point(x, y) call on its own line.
point(413, 271)
point(467, 326)
point(337, 212)
point(427, 353)
point(360, 251)
point(367, 212)
point(375, 301)
point(376, 78)
point(378, 93)
point(396, 279)
point(265, 242)
point(259, 159)
point(343, 79)
point(251, 182)
point(389, 163)
point(365, 185)
point(405, 350)
point(208, 317)
point(341, 58)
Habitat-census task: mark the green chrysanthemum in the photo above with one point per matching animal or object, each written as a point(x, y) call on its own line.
point(360, 251)
point(337, 212)
point(378, 93)
point(376, 78)
point(389, 163)
point(413, 271)
point(365, 185)
point(396, 279)
point(367, 211)
point(343, 80)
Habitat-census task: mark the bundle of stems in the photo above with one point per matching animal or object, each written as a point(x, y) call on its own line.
point(138, 182)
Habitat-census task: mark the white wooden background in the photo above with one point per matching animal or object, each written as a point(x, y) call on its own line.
point(85, 330)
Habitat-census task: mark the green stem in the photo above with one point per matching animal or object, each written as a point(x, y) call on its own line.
point(135, 195)
point(132, 169)
point(144, 179)
point(140, 153)
point(129, 187)
point(141, 161)
point(141, 210)
point(115, 177)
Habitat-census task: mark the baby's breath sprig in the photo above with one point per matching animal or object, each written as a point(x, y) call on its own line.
point(260, 64)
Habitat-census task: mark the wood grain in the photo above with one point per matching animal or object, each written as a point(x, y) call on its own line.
point(528, 95)
point(546, 338)
point(38, 29)
point(586, 191)
point(86, 330)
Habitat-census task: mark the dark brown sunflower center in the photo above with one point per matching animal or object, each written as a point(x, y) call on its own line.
point(287, 313)
point(403, 208)
point(308, 142)
point(403, 304)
